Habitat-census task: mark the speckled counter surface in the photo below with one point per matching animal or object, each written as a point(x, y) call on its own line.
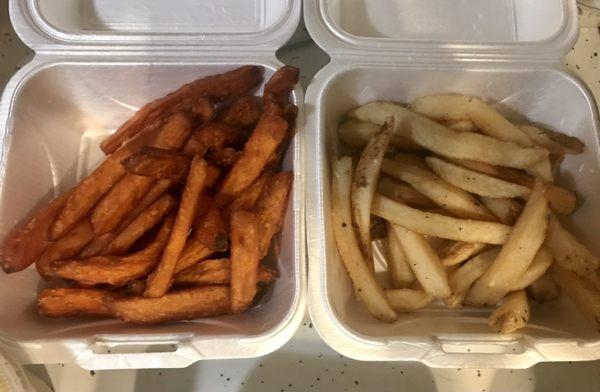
point(306, 363)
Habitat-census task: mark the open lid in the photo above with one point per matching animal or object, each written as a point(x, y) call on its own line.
point(153, 25)
point(452, 28)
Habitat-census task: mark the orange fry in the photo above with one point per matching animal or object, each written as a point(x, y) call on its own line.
point(158, 164)
point(212, 137)
point(271, 207)
point(282, 83)
point(243, 113)
point(73, 301)
point(217, 271)
point(247, 199)
point(245, 259)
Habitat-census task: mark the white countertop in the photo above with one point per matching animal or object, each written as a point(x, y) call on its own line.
point(306, 363)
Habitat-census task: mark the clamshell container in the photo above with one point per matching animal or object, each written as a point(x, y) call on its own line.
point(97, 62)
point(505, 51)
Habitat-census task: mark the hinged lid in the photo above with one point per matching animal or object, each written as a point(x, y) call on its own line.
point(462, 29)
point(154, 25)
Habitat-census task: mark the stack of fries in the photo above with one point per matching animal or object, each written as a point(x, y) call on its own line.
point(175, 222)
point(471, 209)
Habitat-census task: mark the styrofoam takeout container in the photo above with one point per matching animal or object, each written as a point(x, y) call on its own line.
point(506, 51)
point(95, 64)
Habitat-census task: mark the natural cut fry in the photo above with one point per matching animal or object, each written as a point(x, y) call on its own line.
point(507, 210)
point(184, 304)
point(403, 193)
point(245, 259)
point(160, 279)
point(158, 164)
point(584, 297)
point(365, 286)
point(72, 301)
point(455, 252)
point(400, 271)
point(364, 182)
point(460, 125)
point(444, 194)
point(115, 270)
point(441, 140)
point(212, 136)
point(242, 113)
point(571, 144)
point(404, 299)
point(541, 138)
point(540, 264)
point(423, 261)
point(217, 271)
point(437, 225)
point(263, 141)
point(224, 86)
point(357, 133)
point(282, 83)
point(512, 315)
point(462, 279)
point(475, 182)
point(203, 109)
point(224, 157)
point(247, 199)
point(517, 253)
point(141, 224)
point(27, 241)
point(544, 289)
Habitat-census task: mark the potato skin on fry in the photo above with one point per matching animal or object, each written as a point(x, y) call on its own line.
point(217, 271)
point(72, 301)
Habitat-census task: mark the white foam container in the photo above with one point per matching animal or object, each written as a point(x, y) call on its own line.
point(96, 62)
point(506, 51)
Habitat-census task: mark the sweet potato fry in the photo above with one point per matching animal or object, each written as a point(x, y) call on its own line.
point(158, 164)
point(159, 281)
point(212, 136)
point(73, 301)
point(217, 271)
point(245, 258)
point(67, 246)
point(282, 83)
point(141, 224)
point(224, 157)
point(263, 141)
point(185, 304)
point(115, 270)
point(247, 199)
point(220, 87)
point(243, 113)
point(204, 109)
point(26, 242)
point(213, 174)
point(271, 207)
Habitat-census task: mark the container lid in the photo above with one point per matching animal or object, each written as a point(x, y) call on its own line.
point(154, 24)
point(457, 28)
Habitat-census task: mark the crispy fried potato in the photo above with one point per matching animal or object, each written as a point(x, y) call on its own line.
point(455, 252)
point(160, 280)
point(403, 193)
point(460, 125)
point(245, 258)
point(184, 304)
point(270, 208)
point(437, 225)
point(72, 301)
point(263, 141)
point(400, 271)
point(365, 286)
point(225, 157)
point(242, 113)
point(115, 270)
point(282, 83)
point(213, 175)
point(358, 133)
point(584, 297)
point(544, 289)
point(404, 299)
point(507, 210)
point(158, 164)
point(212, 136)
point(541, 138)
point(26, 242)
point(224, 86)
point(512, 315)
point(247, 199)
point(217, 271)
point(571, 144)
point(203, 109)
point(463, 278)
point(538, 267)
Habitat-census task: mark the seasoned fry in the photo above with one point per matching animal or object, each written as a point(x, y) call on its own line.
point(507, 210)
point(584, 297)
point(212, 136)
point(217, 271)
point(517, 253)
point(270, 208)
point(440, 225)
point(243, 113)
point(72, 301)
point(463, 278)
point(160, 279)
point(245, 258)
point(540, 264)
point(455, 252)
point(544, 289)
point(220, 87)
point(364, 182)
point(512, 315)
point(400, 271)
point(184, 304)
point(358, 133)
point(115, 270)
point(158, 164)
point(404, 299)
point(282, 83)
point(26, 242)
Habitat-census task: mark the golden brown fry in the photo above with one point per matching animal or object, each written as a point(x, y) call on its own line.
point(115, 270)
point(212, 136)
point(204, 109)
point(403, 192)
point(455, 252)
point(158, 164)
point(584, 297)
point(263, 141)
point(271, 207)
point(26, 242)
point(72, 301)
point(217, 271)
point(159, 281)
point(282, 83)
point(245, 258)
point(224, 157)
point(512, 315)
point(357, 134)
point(242, 113)
point(224, 86)
point(184, 304)
point(507, 210)
point(213, 175)
point(247, 199)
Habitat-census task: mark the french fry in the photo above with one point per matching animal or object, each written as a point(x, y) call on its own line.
point(358, 133)
point(364, 182)
point(444, 194)
point(403, 193)
point(263, 141)
point(460, 125)
point(25, 242)
point(400, 271)
point(247, 199)
point(540, 138)
point(584, 297)
point(72, 301)
point(141, 224)
point(463, 278)
point(225, 157)
point(517, 253)
point(512, 315)
point(404, 299)
point(242, 113)
point(270, 208)
point(544, 289)
point(115, 270)
point(441, 140)
point(160, 279)
point(184, 304)
point(158, 164)
point(455, 252)
point(423, 261)
point(212, 136)
point(507, 210)
point(475, 182)
point(538, 267)
point(203, 109)
point(437, 225)
point(571, 144)
point(245, 258)
point(282, 83)
point(217, 271)
point(213, 176)
point(365, 286)
point(220, 87)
